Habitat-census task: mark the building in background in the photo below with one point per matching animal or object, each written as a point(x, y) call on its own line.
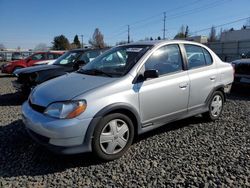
point(235, 35)
point(200, 39)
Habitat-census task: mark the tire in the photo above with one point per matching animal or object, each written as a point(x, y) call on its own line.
point(216, 105)
point(115, 142)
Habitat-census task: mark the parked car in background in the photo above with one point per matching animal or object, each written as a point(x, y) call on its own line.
point(34, 58)
point(242, 71)
point(1, 57)
point(28, 78)
point(16, 56)
point(245, 55)
point(126, 91)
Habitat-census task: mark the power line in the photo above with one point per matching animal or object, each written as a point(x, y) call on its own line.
point(157, 15)
point(197, 9)
point(228, 23)
point(174, 16)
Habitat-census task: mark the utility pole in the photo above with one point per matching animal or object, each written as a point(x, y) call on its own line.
point(164, 25)
point(82, 40)
point(128, 34)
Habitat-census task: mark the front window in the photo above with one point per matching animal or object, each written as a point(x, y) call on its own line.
point(68, 58)
point(115, 62)
point(165, 60)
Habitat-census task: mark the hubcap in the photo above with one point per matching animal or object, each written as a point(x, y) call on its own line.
point(216, 105)
point(114, 136)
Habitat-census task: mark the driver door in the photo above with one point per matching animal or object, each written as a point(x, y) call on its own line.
point(167, 96)
point(36, 58)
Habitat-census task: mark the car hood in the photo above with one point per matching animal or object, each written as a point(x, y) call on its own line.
point(239, 61)
point(18, 61)
point(66, 87)
point(38, 68)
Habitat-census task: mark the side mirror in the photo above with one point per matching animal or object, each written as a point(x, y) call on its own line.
point(153, 73)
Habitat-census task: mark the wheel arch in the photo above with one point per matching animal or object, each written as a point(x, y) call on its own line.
point(217, 88)
point(122, 108)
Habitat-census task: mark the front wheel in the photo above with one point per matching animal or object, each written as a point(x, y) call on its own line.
point(215, 106)
point(113, 136)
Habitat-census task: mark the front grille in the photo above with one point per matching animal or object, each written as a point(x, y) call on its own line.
point(242, 68)
point(36, 107)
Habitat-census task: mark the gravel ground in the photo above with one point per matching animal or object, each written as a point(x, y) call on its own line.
point(188, 153)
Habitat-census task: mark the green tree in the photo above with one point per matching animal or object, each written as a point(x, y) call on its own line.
point(97, 40)
point(41, 47)
point(187, 32)
point(77, 42)
point(60, 43)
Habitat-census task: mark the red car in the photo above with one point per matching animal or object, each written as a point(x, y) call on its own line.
point(29, 61)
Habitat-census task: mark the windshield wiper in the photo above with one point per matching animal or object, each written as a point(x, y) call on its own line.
point(94, 71)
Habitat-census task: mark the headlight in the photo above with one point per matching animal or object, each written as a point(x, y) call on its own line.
point(7, 64)
point(66, 110)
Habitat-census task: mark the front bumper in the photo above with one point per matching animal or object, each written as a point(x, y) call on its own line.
point(16, 85)
point(6, 69)
point(66, 136)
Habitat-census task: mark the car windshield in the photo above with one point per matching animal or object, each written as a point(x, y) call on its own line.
point(116, 62)
point(68, 58)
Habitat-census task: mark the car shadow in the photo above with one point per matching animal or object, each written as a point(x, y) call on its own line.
point(20, 155)
point(171, 127)
point(6, 76)
point(240, 92)
point(12, 99)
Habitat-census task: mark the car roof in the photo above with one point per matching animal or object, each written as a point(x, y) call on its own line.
point(87, 49)
point(162, 42)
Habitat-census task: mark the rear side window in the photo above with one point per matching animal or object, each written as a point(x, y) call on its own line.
point(38, 57)
point(166, 59)
point(195, 56)
point(53, 56)
point(208, 57)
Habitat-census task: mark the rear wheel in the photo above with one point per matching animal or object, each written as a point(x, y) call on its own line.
point(113, 136)
point(215, 106)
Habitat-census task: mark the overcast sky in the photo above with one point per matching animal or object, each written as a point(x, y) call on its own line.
point(26, 23)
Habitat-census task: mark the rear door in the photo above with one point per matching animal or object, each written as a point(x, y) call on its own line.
point(166, 96)
point(202, 74)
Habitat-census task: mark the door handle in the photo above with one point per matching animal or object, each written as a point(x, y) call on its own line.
point(212, 78)
point(183, 85)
